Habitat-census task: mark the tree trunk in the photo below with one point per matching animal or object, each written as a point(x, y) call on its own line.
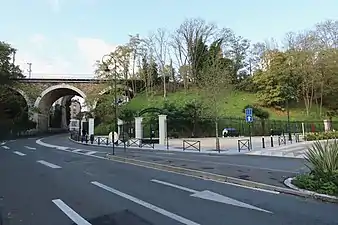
point(217, 138)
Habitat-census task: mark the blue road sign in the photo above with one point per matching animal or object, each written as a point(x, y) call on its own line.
point(248, 118)
point(248, 115)
point(248, 111)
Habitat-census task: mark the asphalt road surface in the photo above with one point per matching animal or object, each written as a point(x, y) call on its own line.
point(41, 185)
point(264, 169)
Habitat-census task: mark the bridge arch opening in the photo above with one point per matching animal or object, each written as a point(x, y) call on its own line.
point(49, 96)
point(14, 111)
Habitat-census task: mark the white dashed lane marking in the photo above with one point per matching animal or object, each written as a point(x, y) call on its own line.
point(74, 216)
point(51, 165)
point(90, 153)
point(19, 153)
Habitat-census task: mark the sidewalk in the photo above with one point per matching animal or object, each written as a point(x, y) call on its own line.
point(228, 145)
point(296, 150)
point(169, 148)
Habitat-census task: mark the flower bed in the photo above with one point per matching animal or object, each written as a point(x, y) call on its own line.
point(321, 136)
point(322, 159)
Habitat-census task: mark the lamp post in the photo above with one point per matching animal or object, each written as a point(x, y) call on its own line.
point(288, 114)
point(106, 69)
point(288, 96)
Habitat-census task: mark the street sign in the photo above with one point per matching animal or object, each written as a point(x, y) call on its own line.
point(248, 111)
point(248, 118)
point(248, 115)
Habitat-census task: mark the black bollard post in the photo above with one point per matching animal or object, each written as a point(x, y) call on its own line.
point(263, 142)
point(271, 140)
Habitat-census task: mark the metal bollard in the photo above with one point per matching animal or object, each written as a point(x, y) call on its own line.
point(263, 142)
point(284, 140)
point(271, 140)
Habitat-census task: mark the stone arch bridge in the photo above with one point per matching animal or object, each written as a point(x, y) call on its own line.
point(40, 94)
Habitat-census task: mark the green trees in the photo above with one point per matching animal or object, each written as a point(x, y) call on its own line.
point(305, 70)
point(13, 108)
point(215, 62)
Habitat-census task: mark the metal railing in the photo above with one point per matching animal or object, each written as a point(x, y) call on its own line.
point(191, 145)
point(243, 144)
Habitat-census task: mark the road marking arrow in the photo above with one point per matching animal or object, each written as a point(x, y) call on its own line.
point(212, 196)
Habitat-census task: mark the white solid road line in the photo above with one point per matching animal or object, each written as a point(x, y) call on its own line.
point(31, 148)
point(51, 165)
point(253, 188)
point(19, 153)
point(146, 204)
point(74, 216)
point(5, 147)
point(174, 186)
point(90, 153)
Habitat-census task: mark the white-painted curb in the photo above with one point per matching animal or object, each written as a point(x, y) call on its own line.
point(288, 183)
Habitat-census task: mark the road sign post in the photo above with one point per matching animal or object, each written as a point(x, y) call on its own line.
point(249, 119)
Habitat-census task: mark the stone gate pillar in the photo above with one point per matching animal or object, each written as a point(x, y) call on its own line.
point(91, 126)
point(162, 129)
point(138, 128)
point(120, 123)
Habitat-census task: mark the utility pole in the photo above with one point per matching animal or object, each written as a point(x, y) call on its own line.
point(29, 70)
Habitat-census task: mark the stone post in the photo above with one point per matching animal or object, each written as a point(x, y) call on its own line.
point(90, 126)
point(138, 128)
point(327, 125)
point(162, 129)
point(119, 125)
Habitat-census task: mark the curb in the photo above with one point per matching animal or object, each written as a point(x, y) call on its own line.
point(324, 197)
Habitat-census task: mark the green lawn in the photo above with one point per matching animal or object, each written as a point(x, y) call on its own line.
point(231, 106)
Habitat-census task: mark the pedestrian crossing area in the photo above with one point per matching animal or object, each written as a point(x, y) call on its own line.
point(291, 151)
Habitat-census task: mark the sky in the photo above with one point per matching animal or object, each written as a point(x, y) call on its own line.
point(64, 38)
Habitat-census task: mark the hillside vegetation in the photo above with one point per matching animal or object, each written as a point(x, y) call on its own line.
point(231, 106)
point(203, 76)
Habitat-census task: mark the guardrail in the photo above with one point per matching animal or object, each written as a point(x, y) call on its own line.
point(281, 140)
point(134, 142)
point(191, 145)
point(243, 144)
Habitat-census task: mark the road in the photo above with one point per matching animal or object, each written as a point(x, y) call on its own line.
point(264, 169)
point(41, 185)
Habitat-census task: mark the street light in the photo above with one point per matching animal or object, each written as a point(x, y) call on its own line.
point(106, 69)
point(288, 92)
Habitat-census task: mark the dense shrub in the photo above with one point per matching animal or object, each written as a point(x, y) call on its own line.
point(323, 162)
point(321, 136)
point(104, 128)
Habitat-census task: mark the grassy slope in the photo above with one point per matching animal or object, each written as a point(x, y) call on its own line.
point(232, 107)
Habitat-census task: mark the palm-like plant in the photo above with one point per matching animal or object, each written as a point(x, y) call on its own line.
point(323, 159)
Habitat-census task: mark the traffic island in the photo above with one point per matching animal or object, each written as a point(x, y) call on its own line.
point(322, 181)
point(290, 182)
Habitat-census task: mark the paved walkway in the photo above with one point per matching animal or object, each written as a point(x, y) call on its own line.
point(292, 151)
point(228, 146)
